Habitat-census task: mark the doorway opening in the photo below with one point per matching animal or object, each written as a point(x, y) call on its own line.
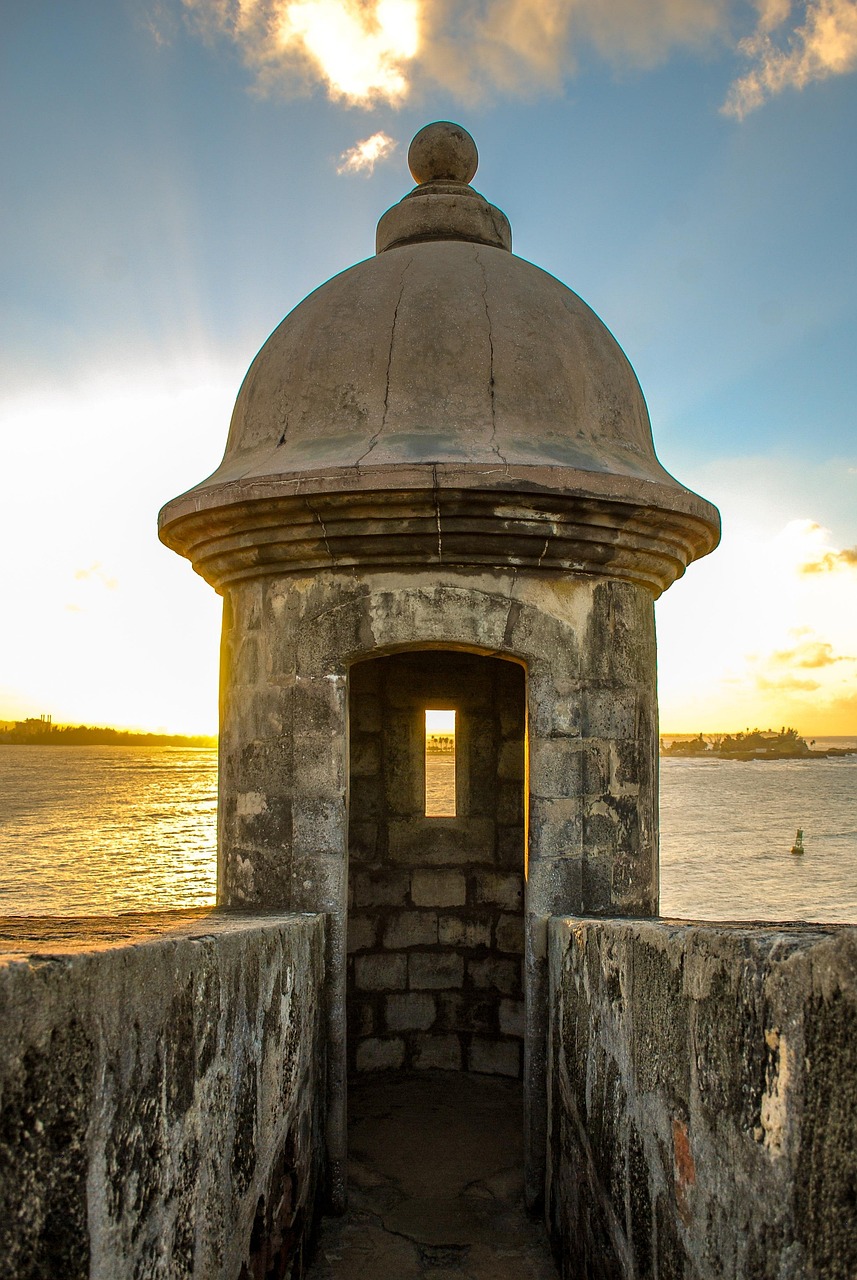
point(435, 902)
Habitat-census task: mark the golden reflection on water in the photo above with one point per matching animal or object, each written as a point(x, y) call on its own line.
point(105, 829)
point(440, 786)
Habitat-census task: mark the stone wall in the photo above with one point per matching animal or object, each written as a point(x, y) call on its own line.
point(703, 1101)
point(436, 925)
point(161, 1094)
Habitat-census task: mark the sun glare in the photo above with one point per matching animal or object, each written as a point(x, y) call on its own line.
point(359, 50)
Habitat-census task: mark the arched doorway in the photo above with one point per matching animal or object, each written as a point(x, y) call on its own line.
point(435, 898)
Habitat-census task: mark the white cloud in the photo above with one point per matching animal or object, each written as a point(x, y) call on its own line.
point(366, 52)
point(824, 45)
point(364, 155)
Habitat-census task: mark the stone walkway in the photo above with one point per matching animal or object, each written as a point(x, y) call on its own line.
point(435, 1184)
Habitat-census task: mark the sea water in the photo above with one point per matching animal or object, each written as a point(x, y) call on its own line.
point(96, 830)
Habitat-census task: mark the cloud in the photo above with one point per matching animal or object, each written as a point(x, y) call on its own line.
point(831, 560)
point(372, 52)
point(364, 155)
point(95, 572)
point(781, 670)
point(786, 684)
point(811, 653)
point(824, 45)
point(367, 52)
point(358, 49)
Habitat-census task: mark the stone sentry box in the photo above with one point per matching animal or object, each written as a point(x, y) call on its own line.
point(442, 448)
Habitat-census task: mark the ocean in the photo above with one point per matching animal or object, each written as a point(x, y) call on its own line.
point(98, 830)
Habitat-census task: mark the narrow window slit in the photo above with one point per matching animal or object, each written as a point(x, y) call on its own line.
point(440, 764)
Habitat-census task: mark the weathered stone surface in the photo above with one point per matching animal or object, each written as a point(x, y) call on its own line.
point(703, 1100)
point(161, 1094)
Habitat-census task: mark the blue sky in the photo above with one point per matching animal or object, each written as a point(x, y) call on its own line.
point(172, 190)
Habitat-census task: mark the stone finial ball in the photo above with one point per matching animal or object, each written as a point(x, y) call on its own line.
point(442, 152)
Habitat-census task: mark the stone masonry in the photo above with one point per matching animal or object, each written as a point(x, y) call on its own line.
point(703, 1100)
point(161, 1096)
point(436, 905)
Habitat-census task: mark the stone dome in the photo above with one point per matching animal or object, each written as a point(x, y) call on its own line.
point(443, 401)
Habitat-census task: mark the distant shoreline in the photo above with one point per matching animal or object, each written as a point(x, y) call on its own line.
point(754, 744)
point(84, 737)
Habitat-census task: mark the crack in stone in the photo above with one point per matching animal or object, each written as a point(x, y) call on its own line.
point(495, 448)
point(321, 525)
point(436, 492)
point(543, 552)
point(374, 438)
point(513, 614)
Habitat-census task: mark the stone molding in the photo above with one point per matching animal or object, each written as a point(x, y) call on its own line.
point(300, 524)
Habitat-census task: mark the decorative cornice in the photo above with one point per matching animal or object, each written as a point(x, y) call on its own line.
point(640, 532)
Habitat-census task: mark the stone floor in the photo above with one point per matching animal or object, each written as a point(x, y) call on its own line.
point(435, 1184)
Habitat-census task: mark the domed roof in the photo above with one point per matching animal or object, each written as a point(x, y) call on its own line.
point(443, 365)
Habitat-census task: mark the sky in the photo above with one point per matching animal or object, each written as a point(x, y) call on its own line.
point(179, 174)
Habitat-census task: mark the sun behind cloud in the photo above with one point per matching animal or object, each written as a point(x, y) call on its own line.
point(371, 52)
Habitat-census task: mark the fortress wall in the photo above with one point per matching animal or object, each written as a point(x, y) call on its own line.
point(161, 1094)
point(703, 1100)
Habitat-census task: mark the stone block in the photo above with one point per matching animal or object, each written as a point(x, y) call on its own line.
point(319, 824)
point(366, 800)
point(410, 1011)
point(435, 971)
point(452, 1011)
point(554, 886)
point(565, 716)
point(362, 932)
point(510, 846)
point(384, 889)
point(380, 973)
point(494, 1057)
point(506, 802)
point(410, 929)
point(365, 757)
point(596, 767)
point(362, 1022)
point(496, 974)
point(512, 1017)
point(556, 768)
point(438, 888)
point(461, 931)
point(500, 890)
point(365, 711)
point(362, 841)
point(421, 842)
point(380, 1055)
point(439, 1053)
point(556, 828)
point(510, 763)
point(318, 881)
point(608, 714)
point(509, 934)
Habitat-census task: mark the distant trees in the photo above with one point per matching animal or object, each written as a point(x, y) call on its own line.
point(753, 744)
point(44, 734)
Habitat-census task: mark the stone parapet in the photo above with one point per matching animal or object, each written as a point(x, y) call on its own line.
point(703, 1100)
point(161, 1095)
